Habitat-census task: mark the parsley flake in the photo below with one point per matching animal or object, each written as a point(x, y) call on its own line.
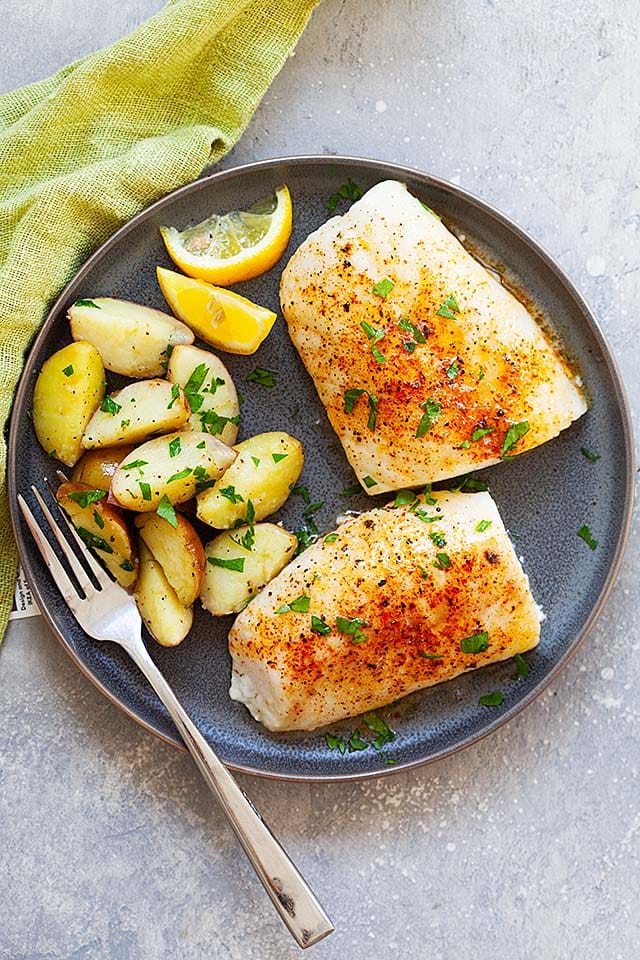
point(277, 457)
point(98, 519)
point(319, 626)
point(331, 538)
point(481, 432)
point(483, 525)
point(180, 475)
point(449, 308)
point(175, 393)
point(430, 656)
point(145, 490)
point(85, 497)
point(229, 493)
point(373, 412)
point(335, 743)
point(86, 303)
point(492, 699)
point(256, 461)
point(127, 565)
point(476, 643)
point(522, 667)
point(166, 511)
point(235, 563)
point(351, 491)
point(405, 324)
point(348, 191)
point(404, 497)
point(351, 397)
point(174, 447)
point(299, 605)
point(375, 336)
point(356, 742)
point(91, 540)
point(442, 561)
point(513, 434)
point(432, 410)
point(438, 539)
point(585, 534)
point(135, 465)
point(68, 370)
point(369, 482)
point(383, 287)
point(109, 405)
point(593, 457)
point(351, 627)
point(263, 377)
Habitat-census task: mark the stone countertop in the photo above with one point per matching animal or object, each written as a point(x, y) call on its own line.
point(525, 845)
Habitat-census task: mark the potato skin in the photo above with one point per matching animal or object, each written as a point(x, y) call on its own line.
point(105, 521)
point(131, 339)
point(228, 591)
point(255, 476)
point(166, 619)
point(63, 403)
point(172, 465)
point(97, 467)
point(179, 552)
point(138, 410)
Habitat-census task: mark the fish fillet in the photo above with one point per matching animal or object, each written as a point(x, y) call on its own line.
point(409, 585)
point(447, 361)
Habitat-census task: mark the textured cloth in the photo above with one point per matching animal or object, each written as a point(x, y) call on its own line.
point(86, 149)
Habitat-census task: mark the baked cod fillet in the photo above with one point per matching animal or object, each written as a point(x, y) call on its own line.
point(391, 605)
point(422, 359)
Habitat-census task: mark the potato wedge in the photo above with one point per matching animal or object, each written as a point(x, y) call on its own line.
point(171, 466)
point(102, 526)
point(97, 467)
point(268, 465)
point(69, 388)
point(240, 562)
point(178, 551)
point(130, 338)
point(166, 619)
point(209, 389)
point(134, 413)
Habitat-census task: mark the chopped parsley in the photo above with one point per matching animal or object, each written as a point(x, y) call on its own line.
point(247, 539)
point(481, 373)
point(373, 412)
point(174, 447)
point(98, 519)
point(312, 508)
point(215, 423)
point(405, 324)
point(453, 370)
point(335, 743)
point(302, 491)
point(438, 539)
point(482, 525)
point(593, 457)
point(87, 303)
point(68, 370)
point(91, 540)
point(383, 287)
point(234, 563)
point(585, 534)
point(277, 457)
point(356, 742)
point(175, 393)
point(492, 699)
point(383, 731)
point(331, 538)
point(127, 565)
point(265, 378)
point(166, 511)
point(442, 561)
point(369, 482)
point(180, 475)
point(305, 539)
point(351, 397)
point(469, 484)
point(375, 336)
point(404, 497)
point(513, 434)
point(145, 490)
point(85, 497)
point(251, 513)
point(465, 445)
point(428, 498)
point(430, 656)
point(481, 432)
point(476, 643)
point(193, 385)
point(351, 627)
point(201, 445)
point(429, 210)
point(348, 191)
point(432, 410)
point(135, 465)
point(351, 491)
point(424, 516)
point(449, 308)
point(256, 461)
point(319, 626)
point(229, 493)
point(522, 667)
point(124, 423)
point(299, 605)
point(109, 405)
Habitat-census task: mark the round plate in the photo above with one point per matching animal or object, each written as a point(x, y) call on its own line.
point(544, 496)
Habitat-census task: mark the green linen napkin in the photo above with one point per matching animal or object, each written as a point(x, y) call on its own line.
point(86, 149)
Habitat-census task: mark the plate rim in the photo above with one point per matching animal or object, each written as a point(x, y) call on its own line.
point(394, 171)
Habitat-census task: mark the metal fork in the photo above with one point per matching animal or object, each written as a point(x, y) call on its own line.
point(108, 612)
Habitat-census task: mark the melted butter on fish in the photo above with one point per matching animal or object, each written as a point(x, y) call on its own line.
point(488, 365)
point(380, 570)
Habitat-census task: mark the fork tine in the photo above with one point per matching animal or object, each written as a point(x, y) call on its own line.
point(62, 579)
point(99, 573)
point(79, 571)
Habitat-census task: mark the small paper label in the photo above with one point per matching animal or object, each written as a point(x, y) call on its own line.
point(23, 603)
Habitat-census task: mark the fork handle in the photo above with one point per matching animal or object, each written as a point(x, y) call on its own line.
point(291, 895)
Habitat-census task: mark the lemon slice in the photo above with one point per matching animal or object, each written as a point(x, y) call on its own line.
point(236, 246)
point(219, 317)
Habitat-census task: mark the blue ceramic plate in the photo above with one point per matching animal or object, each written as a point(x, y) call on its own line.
point(544, 496)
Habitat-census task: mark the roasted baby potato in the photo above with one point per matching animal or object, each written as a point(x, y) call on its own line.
point(209, 390)
point(69, 388)
point(97, 467)
point(132, 414)
point(267, 467)
point(171, 466)
point(166, 619)
point(102, 527)
point(130, 338)
point(178, 551)
point(240, 562)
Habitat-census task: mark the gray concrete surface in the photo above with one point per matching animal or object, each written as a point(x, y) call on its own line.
point(525, 846)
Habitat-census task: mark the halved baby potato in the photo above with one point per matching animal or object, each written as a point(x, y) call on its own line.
point(69, 387)
point(166, 619)
point(102, 526)
point(209, 389)
point(172, 466)
point(266, 469)
point(97, 467)
point(240, 562)
point(178, 551)
point(138, 410)
point(130, 338)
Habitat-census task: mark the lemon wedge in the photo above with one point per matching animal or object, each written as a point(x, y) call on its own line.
point(219, 317)
point(235, 246)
